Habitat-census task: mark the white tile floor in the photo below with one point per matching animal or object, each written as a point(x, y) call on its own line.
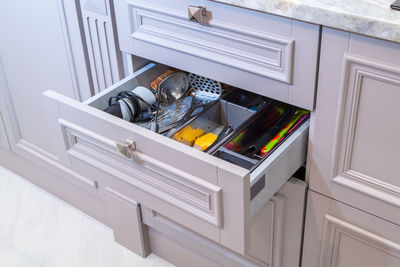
point(37, 229)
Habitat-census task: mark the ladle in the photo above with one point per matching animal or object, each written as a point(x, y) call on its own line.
point(173, 87)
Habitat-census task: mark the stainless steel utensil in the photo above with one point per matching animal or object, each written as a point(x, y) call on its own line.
point(173, 87)
point(171, 115)
point(205, 91)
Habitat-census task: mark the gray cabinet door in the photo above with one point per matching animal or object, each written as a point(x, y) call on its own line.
point(275, 235)
point(33, 58)
point(354, 155)
point(339, 235)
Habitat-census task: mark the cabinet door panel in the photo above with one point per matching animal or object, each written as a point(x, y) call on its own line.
point(275, 234)
point(350, 246)
point(339, 235)
point(375, 132)
point(34, 59)
point(354, 134)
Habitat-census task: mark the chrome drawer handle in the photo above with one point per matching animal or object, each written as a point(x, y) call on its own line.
point(199, 14)
point(126, 148)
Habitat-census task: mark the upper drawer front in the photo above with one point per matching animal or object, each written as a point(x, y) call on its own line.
point(247, 49)
point(240, 47)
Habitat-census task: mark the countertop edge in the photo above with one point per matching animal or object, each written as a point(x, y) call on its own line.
point(337, 19)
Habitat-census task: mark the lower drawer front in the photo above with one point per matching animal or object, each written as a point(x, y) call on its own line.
point(339, 235)
point(255, 51)
point(209, 195)
point(275, 235)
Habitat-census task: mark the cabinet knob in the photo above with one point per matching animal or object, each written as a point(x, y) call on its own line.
point(199, 14)
point(126, 148)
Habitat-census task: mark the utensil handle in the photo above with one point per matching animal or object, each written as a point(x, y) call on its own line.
point(154, 84)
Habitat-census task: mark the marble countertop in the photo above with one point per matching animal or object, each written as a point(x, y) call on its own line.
point(368, 17)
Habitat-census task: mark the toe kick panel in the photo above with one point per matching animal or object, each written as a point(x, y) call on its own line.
point(206, 194)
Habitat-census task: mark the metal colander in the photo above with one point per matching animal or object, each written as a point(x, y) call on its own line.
point(206, 87)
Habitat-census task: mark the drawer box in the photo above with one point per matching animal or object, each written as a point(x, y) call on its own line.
point(269, 55)
point(208, 195)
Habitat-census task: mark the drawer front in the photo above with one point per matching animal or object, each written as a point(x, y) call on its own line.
point(126, 221)
point(207, 194)
point(275, 234)
point(247, 49)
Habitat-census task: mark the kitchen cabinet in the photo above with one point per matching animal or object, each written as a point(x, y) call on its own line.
point(353, 156)
point(105, 59)
point(210, 196)
point(186, 205)
point(216, 189)
point(35, 54)
point(339, 235)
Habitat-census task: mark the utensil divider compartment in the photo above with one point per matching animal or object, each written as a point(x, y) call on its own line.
point(208, 195)
point(222, 114)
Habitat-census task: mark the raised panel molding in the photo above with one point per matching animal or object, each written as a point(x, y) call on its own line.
point(74, 45)
point(106, 63)
point(156, 26)
point(220, 255)
point(355, 69)
point(275, 249)
point(335, 229)
point(180, 189)
point(26, 149)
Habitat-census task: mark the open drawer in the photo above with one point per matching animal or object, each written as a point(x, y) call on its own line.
point(202, 192)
